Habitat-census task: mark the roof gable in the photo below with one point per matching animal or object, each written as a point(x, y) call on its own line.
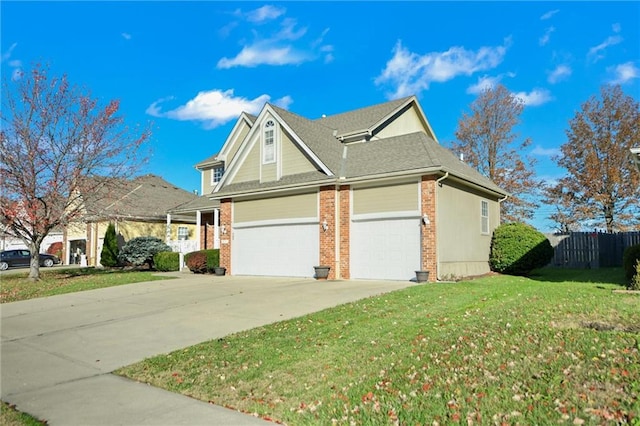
point(231, 144)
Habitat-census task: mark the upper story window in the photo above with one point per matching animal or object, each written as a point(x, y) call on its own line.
point(269, 143)
point(484, 215)
point(216, 174)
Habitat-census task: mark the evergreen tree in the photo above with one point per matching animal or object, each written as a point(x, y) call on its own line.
point(109, 255)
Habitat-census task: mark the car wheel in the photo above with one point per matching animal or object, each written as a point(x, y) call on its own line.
point(48, 263)
point(4, 266)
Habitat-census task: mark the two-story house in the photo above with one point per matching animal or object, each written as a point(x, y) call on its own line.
point(370, 193)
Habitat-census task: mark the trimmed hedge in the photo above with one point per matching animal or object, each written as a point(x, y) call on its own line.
point(203, 261)
point(629, 258)
point(167, 261)
point(518, 248)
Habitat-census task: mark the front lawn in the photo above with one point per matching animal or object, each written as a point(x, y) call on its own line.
point(496, 350)
point(15, 287)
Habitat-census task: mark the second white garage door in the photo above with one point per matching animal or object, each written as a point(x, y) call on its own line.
point(385, 249)
point(278, 250)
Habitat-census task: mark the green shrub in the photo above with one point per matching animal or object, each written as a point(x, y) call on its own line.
point(635, 281)
point(629, 258)
point(518, 248)
point(140, 251)
point(203, 261)
point(109, 254)
point(167, 261)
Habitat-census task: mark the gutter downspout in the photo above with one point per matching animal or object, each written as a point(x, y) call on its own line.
point(438, 184)
point(500, 206)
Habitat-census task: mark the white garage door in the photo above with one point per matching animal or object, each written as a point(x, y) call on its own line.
point(278, 250)
point(385, 249)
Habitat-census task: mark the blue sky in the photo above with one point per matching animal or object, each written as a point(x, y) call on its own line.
point(190, 68)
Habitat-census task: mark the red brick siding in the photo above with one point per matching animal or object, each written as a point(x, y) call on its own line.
point(328, 237)
point(345, 231)
point(428, 243)
point(225, 248)
point(206, 242)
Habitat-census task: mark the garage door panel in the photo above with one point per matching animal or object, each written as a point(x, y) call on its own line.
point(386, 249)
point(278, 250)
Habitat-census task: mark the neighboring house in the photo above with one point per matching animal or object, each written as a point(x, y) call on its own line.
point(137, 207)
point(9, 242)
point(369, 192)
point(635, 157)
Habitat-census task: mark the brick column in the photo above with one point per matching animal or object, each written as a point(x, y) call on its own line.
point(428, 240)
point(328, 237)
point(345, 231)
point(225, 239)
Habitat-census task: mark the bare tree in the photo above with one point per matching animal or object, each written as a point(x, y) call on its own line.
point(489, 143)
point(57, 143)
point(602, 184)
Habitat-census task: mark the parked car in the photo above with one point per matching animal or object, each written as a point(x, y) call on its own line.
point(21, 257)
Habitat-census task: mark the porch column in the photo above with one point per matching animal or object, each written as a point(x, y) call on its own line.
point(167, 236)
point(198, 231)
point(216, 230)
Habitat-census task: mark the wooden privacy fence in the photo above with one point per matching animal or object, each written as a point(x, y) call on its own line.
point(591, 249)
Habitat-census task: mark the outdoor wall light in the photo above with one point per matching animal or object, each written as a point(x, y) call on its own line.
point(425, 220)
point(325, 225)
point(223, 229)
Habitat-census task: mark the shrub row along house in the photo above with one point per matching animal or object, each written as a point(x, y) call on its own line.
point(370, 193)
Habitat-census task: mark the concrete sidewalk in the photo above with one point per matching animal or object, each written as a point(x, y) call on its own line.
point(58, 352)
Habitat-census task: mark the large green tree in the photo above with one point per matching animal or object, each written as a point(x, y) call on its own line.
point(54, 140)
point(601, 187)
point(488, 141)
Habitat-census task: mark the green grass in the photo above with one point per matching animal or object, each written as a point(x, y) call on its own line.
point(15, 287)
point(559, 346)
point(9, 416)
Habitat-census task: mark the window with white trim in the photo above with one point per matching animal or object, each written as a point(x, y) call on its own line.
point(183, 233)
point(484, 214)
point(216, 174)
point(269, 143)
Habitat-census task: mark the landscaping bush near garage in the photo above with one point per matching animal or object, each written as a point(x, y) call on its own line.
point(139, 251)
point(167, 261)
point(518, 249)
point(203, 261)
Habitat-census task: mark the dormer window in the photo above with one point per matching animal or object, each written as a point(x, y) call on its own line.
point(216, 174)
point(269, 143)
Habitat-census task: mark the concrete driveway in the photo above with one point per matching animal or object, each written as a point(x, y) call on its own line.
point(58, 352)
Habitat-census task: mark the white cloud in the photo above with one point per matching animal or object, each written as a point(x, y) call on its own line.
point(285, 46)
point(549, 14)
point(623, 73)
point(561, 72)
point(616, 27)
point(595, 53)
point(408, 73)
point(15, 64)
point(546, 152)
point(264, 54)
point(536, 97)
point(547, 36)
point(486, 82)
point(215, 107)
point(265, 13)
point(126, 36)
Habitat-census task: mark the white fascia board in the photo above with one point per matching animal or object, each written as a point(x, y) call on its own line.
point(233, 135)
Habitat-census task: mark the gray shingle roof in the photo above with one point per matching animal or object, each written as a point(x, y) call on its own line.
point(361, 119)
point(405, 154)
point(147, 197)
